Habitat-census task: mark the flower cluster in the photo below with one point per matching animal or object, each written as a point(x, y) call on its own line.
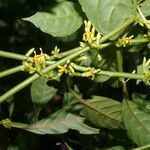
point(91, 73)
point(6, 123)
point(125, 41)
point(55, 52)
point(90, 35)
point(146, 70)
point(37, 63)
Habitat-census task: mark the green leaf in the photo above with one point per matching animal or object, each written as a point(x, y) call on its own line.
point(145, 8)
point(108, 114)
point(59, 21)
point(41, 93)
point(61, 121)
point(107, 15)
point(137, 123)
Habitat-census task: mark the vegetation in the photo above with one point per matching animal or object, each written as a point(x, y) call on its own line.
point(75, 74)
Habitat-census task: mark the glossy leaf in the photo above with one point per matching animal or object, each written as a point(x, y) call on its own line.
point(59, 21)
point(108, 115)
point(107, 15)
point(60, 122)
point(137, 122)
point(41, 93)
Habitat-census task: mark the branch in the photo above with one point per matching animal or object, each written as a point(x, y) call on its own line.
point(29, 80)
point(11, 71)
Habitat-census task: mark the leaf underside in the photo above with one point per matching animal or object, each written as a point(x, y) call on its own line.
point(108, 115)
point(60, 122)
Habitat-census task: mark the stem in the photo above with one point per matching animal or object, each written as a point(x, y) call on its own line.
point(101, 46)
point(109, 73)
point(23, 57)
point(121, 74)
point(29, 80)
point(63, 54)
point(119, 57)
point(17, 88)
point(13, 55)
point(11, 71)
point(119, 60)
point(139, 41)
point(106, 37)
point(142, 148)
point(17, 125)
point(143, 17)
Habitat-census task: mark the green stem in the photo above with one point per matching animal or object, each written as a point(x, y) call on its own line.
point(143, 17)
point(13, 55)
point(29, 80)
point(23, 57)
point(119, 59)
point(117, 30)
point(121, 74)
point(17, 125)
point(66, 53)
point(110, 73)
point(139, 41)
point(17, 88)
point(146, 147)
point(101, 46)
point(11, 71)
point(63, 54)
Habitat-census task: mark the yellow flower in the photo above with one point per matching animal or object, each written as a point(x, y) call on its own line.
point(62, 69)
point(55, 51)
point(91, 73)
point(89, 32)
point(125, 41)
